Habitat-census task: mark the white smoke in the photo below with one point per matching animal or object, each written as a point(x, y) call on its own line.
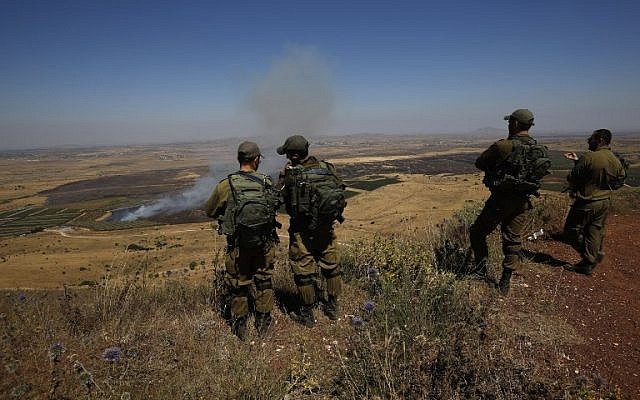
point(296, 95)
point(197, 195)
point(187, 200)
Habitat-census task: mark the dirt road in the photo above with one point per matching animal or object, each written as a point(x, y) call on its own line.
point(605, 307)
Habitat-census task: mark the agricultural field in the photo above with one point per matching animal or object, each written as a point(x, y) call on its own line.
point(33, 219)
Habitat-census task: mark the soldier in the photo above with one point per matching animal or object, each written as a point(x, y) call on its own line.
point(513, 168)
point(591, 181)
point(245, 204)
point(314, 199)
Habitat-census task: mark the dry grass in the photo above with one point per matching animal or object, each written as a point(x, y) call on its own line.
point(412, 329)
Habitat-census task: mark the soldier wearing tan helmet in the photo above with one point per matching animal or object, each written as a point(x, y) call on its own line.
point(314, 199)
point(245, 204)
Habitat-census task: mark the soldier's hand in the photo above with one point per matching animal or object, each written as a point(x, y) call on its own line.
point(571, 156)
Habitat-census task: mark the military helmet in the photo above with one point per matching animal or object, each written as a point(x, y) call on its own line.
point(521, 115)
point(294, 144)
point(247, 151)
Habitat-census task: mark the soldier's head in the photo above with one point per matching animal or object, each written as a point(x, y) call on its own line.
point(599, 138)
point(520, 120)
point(249, 155)
point(296, 148)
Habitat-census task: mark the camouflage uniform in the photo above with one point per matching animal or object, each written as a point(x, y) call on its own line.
point(244, 266)
point(309, 250)
point(504, 208)
point(589, 180)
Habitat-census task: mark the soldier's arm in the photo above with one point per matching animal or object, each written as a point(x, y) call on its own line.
point(621, 169)
point(332, 168)
point(217, 203)
point(489, 158)
point(281, 176)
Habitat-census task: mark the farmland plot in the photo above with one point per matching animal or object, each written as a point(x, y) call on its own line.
point(31, 219)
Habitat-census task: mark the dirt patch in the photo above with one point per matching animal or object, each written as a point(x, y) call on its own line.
point(605, 308)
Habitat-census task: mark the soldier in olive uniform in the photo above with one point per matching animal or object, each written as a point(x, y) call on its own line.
point(243, 265)
point(309, 248)
point(591, 183)
point(506, 208)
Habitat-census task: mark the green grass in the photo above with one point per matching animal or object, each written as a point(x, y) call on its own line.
point(113, 225)
point(33, 219)
point(372, 183)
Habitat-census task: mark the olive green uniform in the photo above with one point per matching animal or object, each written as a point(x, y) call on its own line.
point(244, 265)
point(309, 250)
point(504, 208)
point(589, 180)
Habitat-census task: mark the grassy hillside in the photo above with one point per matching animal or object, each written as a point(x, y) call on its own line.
point(413, 326)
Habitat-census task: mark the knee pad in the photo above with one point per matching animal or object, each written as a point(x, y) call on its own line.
point(304, 280)
point(331, 273)
point(262, 285)
point(240, 291)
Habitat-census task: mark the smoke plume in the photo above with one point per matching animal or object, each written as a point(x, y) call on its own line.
point(295, 95)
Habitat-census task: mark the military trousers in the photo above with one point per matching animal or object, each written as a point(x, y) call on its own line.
point(310, 253)
point(245, 266)
point(584, 228)
point(509, 211)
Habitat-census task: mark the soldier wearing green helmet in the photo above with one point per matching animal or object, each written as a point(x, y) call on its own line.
point(513, 168)
point(245, 204)
point(314, 199)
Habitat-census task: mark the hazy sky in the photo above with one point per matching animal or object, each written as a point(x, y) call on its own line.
point(103, 72)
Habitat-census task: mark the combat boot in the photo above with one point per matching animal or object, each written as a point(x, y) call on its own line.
point(583, 267)
point(505, 281)
point(331, 308)
point(239, 328)
point(263, 323)
point(600, 257)
point(305, 317)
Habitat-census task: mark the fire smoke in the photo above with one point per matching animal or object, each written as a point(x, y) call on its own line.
point(294, 96)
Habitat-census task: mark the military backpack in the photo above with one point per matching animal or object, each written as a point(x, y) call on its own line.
point(250, 217)
point(522, 170)
point(617, 181)
point(316, 196)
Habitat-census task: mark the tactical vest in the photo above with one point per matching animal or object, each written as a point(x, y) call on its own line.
point(250, 217)
point(522, 170)
point(315, 196)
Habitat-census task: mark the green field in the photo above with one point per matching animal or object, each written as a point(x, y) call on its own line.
point(31, 219)
point(373, 183)
point(112, 225)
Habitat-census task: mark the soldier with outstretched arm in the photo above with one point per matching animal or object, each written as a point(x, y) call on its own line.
point(591, 181)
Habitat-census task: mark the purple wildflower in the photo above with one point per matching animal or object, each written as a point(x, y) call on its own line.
point(372, 272)
point(357, 321)
point(22, 297)
point(369, 306)
point(112, 354)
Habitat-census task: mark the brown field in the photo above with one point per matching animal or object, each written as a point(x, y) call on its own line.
point(424, 178)
point(56, 232)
